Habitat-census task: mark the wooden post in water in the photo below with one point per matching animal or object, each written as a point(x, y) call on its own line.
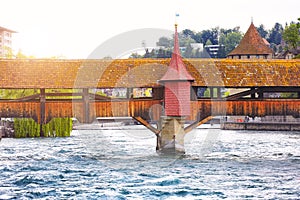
point(86, 105)
point(42, 110)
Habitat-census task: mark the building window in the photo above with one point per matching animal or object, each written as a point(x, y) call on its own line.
point(142, 92)
point(248, 56)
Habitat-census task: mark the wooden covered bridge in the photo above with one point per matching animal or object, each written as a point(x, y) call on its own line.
point(68, 88)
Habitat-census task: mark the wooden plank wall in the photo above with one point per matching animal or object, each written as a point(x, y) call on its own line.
point(23, 110)
point(204, 108)
point(148, 109)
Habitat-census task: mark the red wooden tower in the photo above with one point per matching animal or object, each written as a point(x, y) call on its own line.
point(177, 82)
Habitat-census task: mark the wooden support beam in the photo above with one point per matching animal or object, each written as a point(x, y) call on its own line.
point(193, 93)
point(260, 93)
point(129, 93)
point(64, 94)
point(86, 105)
point(28, 98)
point(42, 111)
point(196, 124)
point(146, 124)
point(99, 97)
point(219, 95)
point(242, 94)
point(252, 93)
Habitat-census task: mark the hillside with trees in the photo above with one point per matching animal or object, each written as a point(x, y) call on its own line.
point(280, 38)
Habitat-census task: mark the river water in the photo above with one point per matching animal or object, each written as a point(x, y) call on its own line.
point(121, 163)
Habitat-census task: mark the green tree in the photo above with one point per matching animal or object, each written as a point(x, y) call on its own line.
point(20, 54)
point(221, 52)
point(188, 53)
point(230, 41)
point(161, 53)
point(8, 52)
point(205, 36)
point(262, 31)
point(184, 40)
point(208, 42)
point(147, 54)
point(214, 35)
point(291, 36)
point(197, 37)
point(135, 55)
point(16, 93)
point(211, 35)
point(188, 33)
point(276, 34)
point(164, 42)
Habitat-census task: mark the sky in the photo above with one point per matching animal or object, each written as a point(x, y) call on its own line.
point(75, 28)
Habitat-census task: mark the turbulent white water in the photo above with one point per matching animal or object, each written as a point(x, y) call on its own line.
point(123, 164)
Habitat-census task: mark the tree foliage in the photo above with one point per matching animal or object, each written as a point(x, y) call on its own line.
point(262, 31)
point(16, 93)
point(291, 36)
point(164, 42)
point(275, 34)
point(227, 39)
point(230, 40)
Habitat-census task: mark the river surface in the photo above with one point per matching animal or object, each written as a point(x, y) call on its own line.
point(123, 164)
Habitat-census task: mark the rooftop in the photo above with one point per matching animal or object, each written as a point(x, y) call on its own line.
point(252, 44)
point(32, 73)
point(176, 70)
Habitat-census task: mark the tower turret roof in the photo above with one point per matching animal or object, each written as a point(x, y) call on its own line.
point(251, 44)
point(177, 70)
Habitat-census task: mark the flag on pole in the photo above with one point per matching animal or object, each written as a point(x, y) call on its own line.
point(176, 17)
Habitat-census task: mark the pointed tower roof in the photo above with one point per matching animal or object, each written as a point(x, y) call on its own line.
point(177, 70)
point(251, 44)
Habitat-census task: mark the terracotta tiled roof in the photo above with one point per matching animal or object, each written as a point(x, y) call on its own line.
point(145, 73)
point(266, 42)
point(251, 44)
point(245, 73)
